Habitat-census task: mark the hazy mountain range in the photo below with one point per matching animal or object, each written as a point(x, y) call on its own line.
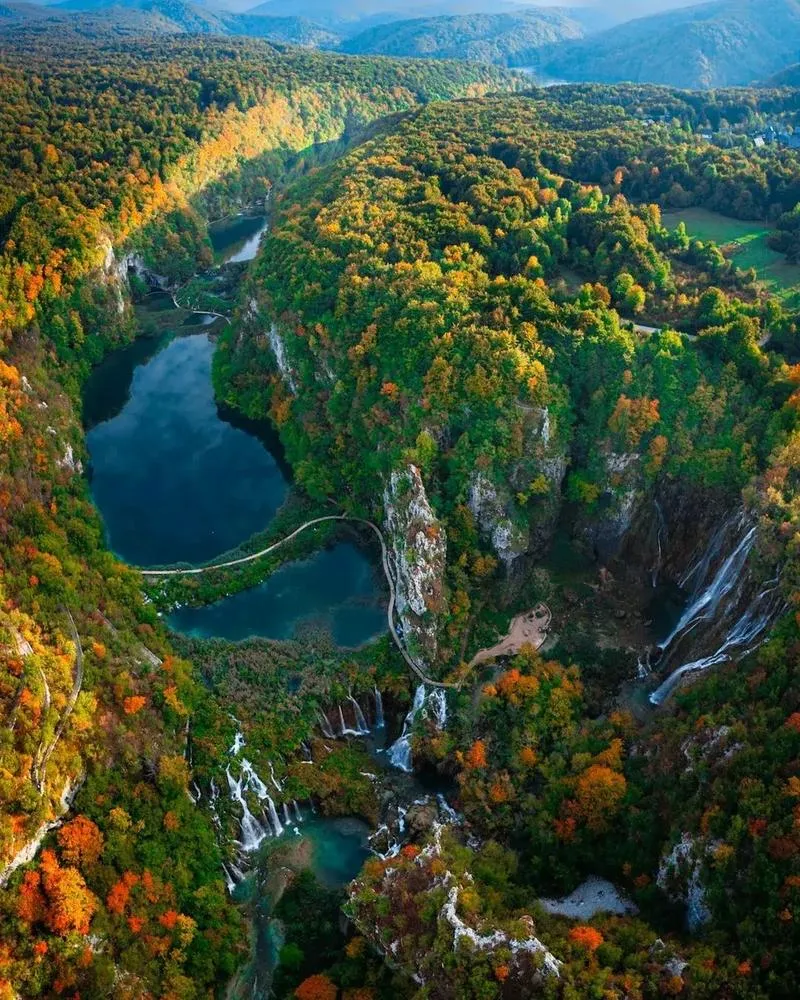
point(715, 44)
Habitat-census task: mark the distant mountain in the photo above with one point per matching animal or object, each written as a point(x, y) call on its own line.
point(508, 39)
point(185, 17)
point(179, 16)
point(350, 17)
point(720, 44)
point(789, 77)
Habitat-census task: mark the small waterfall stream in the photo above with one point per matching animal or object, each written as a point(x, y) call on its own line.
point(425, 703)
point(361, 722)
point(379, 720)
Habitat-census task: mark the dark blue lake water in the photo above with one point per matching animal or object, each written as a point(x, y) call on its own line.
point(172, 479)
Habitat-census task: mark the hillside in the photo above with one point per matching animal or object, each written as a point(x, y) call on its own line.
point(94, 702)
point(512, 39)
point(353, 16)
point(789, 77)
point(98, 18)
point(725, 43)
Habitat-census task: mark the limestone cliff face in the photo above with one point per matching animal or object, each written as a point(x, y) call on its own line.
point(419, 550)
point(517, 528)
point(625, 490)
point(679, 875)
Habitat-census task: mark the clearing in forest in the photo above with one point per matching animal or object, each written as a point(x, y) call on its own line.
point(748, 241)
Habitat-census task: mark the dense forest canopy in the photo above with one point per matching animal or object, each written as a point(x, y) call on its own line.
point(111, 150)
point(472, 327)
point(457, 294)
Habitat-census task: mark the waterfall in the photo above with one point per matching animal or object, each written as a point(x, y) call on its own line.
point(743, 637)
point(325, 726)
point(361, 722)
point(252, 831)
point(705, 603)
point(437, 700)
point(252, 780)
point(345, 730)
point(698, 572)
point(379, 721)
point(287, 819)
point(400, 750)
point(273, 816)
point(230, 882)
point(297, 813)
point(661, 529)
point(273, 779)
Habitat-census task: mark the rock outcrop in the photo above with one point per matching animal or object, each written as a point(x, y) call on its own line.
point(679, 876)
point(419, 549)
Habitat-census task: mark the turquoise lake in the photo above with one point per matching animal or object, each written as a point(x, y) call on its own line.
point(335, 589)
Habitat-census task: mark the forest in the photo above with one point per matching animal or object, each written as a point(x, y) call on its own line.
point(472, 327)
point(128, 148)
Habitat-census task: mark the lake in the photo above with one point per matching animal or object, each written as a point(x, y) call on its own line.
point(335, 589)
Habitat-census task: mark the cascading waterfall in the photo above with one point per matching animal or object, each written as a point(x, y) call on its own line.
point(272, 777)
point(253, 833)
point(379, 720)
point(436, 704)
point(325, 726)
point(361, 722)
point(277, 826)
point(345, 730)
point(742, 638)
point(698, 572)
point(704, 605)
point(400, 750)
point(297, 813)
point(707, 603)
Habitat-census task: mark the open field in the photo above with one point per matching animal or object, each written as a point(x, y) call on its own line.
point(749, 241)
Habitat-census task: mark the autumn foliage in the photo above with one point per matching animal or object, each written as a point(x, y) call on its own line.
point(316, 988)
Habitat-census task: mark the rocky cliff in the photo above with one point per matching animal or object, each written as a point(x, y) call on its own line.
point(419, 554)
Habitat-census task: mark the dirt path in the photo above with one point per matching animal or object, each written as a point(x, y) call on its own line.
point(529, 629)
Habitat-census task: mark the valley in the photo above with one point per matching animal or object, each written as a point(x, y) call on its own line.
point(398, 530)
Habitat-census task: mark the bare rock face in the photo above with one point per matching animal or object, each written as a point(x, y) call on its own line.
point(419, 549)
point(517, 510)
point(679, 875)
point(624, 492)
point(278, 346)
point(490, 510)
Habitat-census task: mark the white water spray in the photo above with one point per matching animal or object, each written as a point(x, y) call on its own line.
point(361, 722)
point(704, 605)
point(743, 638)
point(379, 720)
point(325, 726)
point(253, 833)
point(400, 750)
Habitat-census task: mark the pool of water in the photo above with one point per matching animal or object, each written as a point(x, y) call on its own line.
point(173, 480)
point(335, 588)
point(236, 239)
point(339, 849)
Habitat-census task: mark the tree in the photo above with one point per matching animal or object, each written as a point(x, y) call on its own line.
point(316, 987)
point(81, 842)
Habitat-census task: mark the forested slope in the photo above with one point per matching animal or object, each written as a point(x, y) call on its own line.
point(445, 313)
point(108, 149)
